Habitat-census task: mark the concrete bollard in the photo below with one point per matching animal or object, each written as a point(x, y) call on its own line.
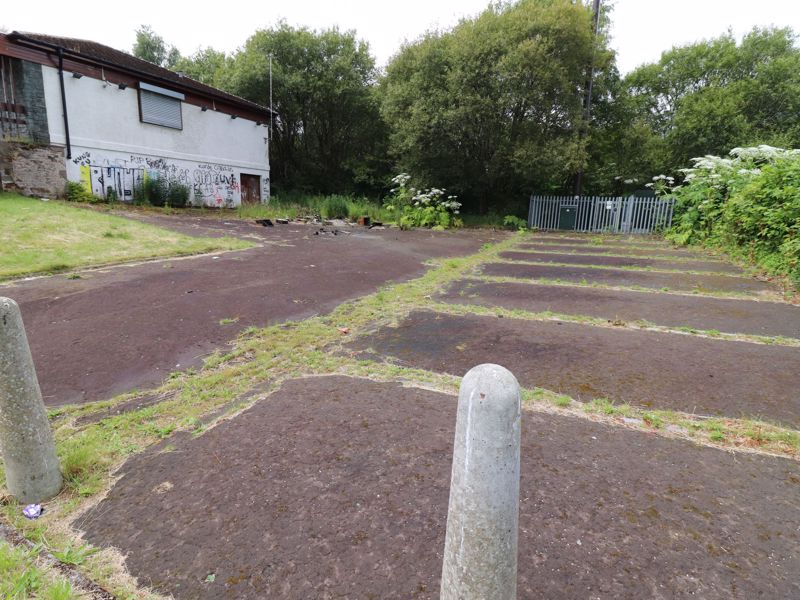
point(26, 441)
point(480, 551)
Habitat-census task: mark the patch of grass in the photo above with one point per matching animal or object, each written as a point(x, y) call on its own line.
point(22, 578)
point(302, 205)
point(48, 237)
point(228, 320)
point(74, 554)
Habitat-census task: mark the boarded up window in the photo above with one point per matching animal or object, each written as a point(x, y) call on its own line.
point(160, 106)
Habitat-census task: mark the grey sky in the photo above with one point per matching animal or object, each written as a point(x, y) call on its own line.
point(642, 29)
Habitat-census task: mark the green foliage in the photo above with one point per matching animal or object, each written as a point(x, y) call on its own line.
point(157, 191)
point(111, 195)
point(177, 194)
point(74, 555)
point(21, 578)
point(302, 205)
point(708, 97)
point(206, 65)
point(75, 192)
point(492, 109)
point(335, 207)
point(748, 204)
point(422, 208)
point(151, 47)
point(513, 222)
point(329, 137)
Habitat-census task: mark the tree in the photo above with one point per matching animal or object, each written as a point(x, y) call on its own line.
point(206, 66)
point(712, 96)
point(492, 109)
point(151, 47)
point(328, 134)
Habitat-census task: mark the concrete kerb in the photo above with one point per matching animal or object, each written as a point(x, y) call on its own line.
point(26, 440)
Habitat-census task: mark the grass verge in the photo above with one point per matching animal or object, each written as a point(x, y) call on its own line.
point(40, 237)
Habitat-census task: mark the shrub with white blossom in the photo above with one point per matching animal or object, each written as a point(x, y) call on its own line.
point(748, 204)
point(430, 207)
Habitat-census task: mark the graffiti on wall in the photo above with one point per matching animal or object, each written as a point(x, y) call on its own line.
point(210, 184)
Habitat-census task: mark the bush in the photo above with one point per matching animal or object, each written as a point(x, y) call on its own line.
point(155, 191)
point(748, 205)
point(75, 192)
point(177, 195)
point(514, 222)
point(335, 207)
point(422, 208)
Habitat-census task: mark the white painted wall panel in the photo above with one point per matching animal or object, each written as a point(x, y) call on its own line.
point(208, 154)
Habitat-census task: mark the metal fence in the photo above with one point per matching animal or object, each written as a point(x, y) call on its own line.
point(601, 214)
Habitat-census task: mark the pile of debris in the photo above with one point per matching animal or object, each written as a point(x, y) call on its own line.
point(364, 221)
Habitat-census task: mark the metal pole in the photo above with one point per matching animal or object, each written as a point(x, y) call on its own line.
point(587, 99)
point(270, 98)
point(60, 52)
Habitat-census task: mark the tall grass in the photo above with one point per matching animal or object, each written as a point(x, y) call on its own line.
point(292, 206)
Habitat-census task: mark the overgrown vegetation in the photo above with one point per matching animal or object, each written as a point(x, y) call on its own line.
point(748, 205)
point(293, 206)
point(422, 208)
point(492, 109)
point(48, 237)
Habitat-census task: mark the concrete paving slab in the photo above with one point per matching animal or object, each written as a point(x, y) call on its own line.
point(622, 277)
point(644, 368)
point(728, 315)
point(338, 488)
point(619, 261)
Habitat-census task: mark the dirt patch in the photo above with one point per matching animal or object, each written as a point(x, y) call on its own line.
point(633, 251)
point(128, 327)
point(644, 368)
point(723, 314)
point(673, 281)
point(324, 491)
point(620, 261)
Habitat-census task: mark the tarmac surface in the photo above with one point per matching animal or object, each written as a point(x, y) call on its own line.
point(127, 327)
point(273, 504)
point(337, 487)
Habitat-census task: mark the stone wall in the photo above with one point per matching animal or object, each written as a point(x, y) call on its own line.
point(32, 170)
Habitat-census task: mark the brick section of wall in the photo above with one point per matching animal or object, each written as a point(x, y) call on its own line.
point(31, 84)
point(23, 86)
point(32, 170)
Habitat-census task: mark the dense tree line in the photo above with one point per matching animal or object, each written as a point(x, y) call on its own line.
point(493, 108)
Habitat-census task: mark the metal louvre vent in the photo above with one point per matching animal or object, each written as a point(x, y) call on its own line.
point(159, 109)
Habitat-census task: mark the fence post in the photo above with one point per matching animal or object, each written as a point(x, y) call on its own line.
point(480, 552)
point(26, 442)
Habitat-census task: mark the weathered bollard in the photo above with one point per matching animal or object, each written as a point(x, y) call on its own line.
point(26, 442)
point(480, 551)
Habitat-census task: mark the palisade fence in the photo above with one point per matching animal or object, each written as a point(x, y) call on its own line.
point(601, 214)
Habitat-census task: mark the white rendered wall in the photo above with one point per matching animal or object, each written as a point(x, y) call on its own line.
point(108, 140)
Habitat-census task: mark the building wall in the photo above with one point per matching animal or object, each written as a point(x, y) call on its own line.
point(28, 164)
point(111, 146)
point(32, 170)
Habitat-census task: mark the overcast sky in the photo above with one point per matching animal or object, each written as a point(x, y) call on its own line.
point(642, 29)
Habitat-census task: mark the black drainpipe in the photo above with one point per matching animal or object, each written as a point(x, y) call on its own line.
point(64, 99)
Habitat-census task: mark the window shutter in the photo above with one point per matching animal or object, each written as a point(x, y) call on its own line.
point(160, 110)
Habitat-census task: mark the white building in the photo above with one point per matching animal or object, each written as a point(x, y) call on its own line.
point(78, 110)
